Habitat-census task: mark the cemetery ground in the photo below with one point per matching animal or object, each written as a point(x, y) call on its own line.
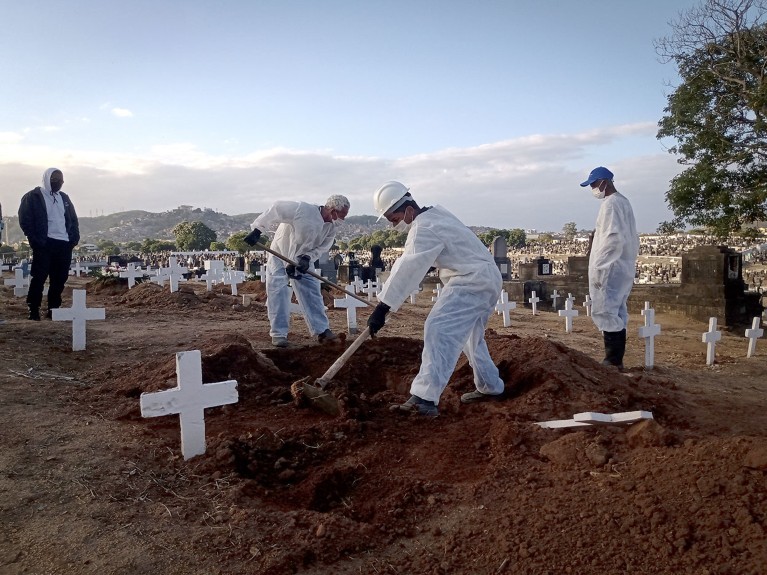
point(89, 486)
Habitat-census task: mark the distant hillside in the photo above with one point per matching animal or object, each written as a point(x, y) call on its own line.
point(138, 225)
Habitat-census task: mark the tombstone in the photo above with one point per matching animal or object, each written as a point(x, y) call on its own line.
point(351, 304)
point(568, 313)
point(78, 314)
point(175, 273)
point(710, 338)
point(370, 289)
point(189, 399)
point(648, 332)
point(503, 306)
point(132, 273)
point(19, 282)
point(351, 270)
point(75, 271)
point(437, 292)
point(233, 278)
point(500, 252)
point(753, 334)
point(554, 297)
point(413, 295)
point(327, 268)
point(587, 304)
point(357, 284)
point(534, 302)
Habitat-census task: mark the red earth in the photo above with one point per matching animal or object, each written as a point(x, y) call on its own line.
point(89, 486)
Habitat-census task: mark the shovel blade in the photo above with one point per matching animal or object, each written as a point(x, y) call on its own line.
point(321, 399)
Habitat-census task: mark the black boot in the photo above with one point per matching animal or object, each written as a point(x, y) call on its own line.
point(34, 313)
point(615, 348)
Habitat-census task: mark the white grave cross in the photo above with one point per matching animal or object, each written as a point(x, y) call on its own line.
point(189, 399)
point(710, 338)
point(648, 332)
point(753, 334)
point(534, 302)
point(78, 314)
point(351, 304)
point(587, 304)
point(370, 289)
point(568, 313)
point(413, 295)
point(503, 306)
point(554, 297)
point(176, 273)
point(437, 291)
point(131, 273)
point(19, 282)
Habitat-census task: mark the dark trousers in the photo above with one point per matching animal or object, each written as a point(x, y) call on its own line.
point(53, 261)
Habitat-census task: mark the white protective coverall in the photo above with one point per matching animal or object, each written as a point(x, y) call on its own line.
point(457, 321)
point(612, 263)
point(302, 231)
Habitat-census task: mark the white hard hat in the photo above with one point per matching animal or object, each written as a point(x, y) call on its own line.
point(388, 196)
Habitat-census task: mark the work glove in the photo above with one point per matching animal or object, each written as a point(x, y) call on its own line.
point(252, 238)
point(290, 269)
point(377, 319)
point(303, 263)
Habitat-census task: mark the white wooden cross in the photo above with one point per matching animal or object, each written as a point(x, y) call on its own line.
point(189, 399)
point(571, 299)
point(753, 334)
point(261, 274)
point(370, 289)
point(19, 282)
point(210, 278)
point(358, 284)
point(233, 278)
point(587, 305)
point(131, 273)
point(568, 313)
point(175, 273)
point(554, 297)
point(534, 302)
point(159, 278)
point(75, 271)
point(437, 291)
point(413, 295)
point(78, 314)
point(648, 332)
point(503, 306)
point(710, 338)
point(351, 304)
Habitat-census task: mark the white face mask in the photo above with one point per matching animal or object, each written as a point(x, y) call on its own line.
point(598, 192)
point(402, 227)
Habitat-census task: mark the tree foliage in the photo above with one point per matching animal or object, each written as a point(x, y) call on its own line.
point(388, 238)
point(193, 236)
point(515, 238)
point(718, 114)
point(150, 246)
point(569, 231)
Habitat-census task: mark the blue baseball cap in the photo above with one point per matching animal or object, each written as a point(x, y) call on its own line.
point(599, 173)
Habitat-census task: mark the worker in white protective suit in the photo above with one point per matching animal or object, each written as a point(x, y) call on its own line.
point(612, 264)
point(305, 232)
point(436, 238)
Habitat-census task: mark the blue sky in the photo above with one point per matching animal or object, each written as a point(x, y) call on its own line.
point(496, 110)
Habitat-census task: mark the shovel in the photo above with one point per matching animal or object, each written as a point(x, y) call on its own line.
point(310, 273)
point(316, 394)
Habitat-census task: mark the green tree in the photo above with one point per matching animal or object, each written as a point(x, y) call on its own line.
point(569, 230)
point(193, 236)
point(108, 247)
point(667, 228)
point(236, 242)
point(153, 246)
point(133, 247)
point(718, 115)
point(218, 247)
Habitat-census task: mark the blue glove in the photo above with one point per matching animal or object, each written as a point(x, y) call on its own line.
point(252, 238)
point(303, 263)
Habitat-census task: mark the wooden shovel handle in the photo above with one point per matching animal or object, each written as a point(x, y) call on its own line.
point(339, 363)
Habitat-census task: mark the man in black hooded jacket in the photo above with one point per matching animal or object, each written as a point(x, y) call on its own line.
point(48, 219)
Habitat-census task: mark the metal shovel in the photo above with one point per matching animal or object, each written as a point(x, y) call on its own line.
point(315, 394)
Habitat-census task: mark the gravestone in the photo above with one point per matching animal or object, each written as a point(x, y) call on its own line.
point(504, 306)
point(351, 304)
point(568, 313)
point(132, 273)
point(78, 314)
point(189, 399)
point(753, 334)
point(710, 338)
point(500, 252)
point(534, 303)
point(648, 332)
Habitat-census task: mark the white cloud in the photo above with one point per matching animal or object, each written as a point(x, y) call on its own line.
point(529, 182)
point(122, 113)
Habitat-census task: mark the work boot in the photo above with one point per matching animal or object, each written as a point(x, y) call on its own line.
point(615, 348)
point(280, 341)
point(477, 396)
point(416, 405)
point(327, 336)
point(34, 314)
